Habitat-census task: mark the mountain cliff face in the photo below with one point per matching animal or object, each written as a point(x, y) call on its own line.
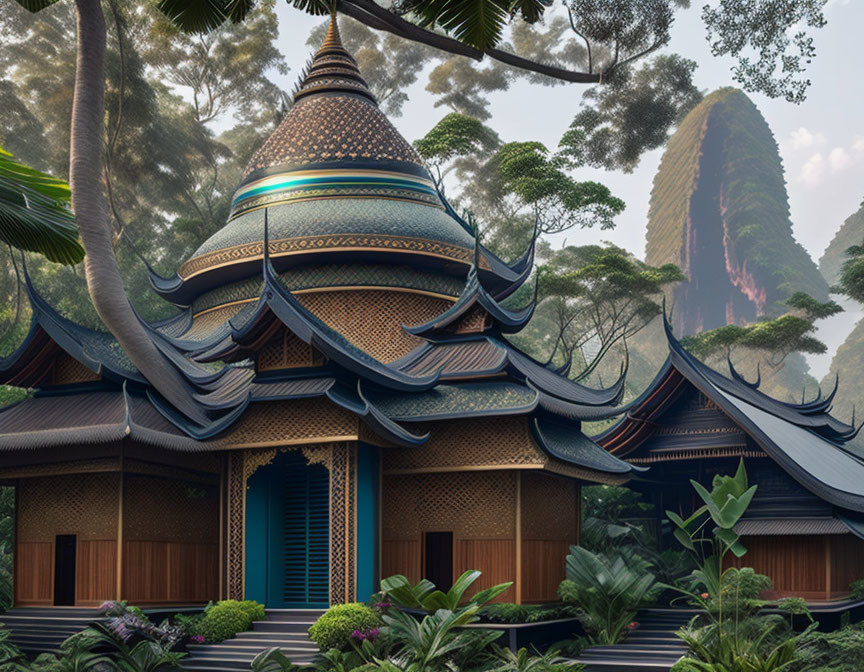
point(848, 361)
point(719, 211)
point(851, 233)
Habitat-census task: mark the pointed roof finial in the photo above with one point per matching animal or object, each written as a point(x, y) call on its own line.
point(333, 69)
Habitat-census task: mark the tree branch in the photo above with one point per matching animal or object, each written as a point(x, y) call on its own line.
point(374, 16)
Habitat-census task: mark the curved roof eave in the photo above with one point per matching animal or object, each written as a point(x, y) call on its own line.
point(569, 444)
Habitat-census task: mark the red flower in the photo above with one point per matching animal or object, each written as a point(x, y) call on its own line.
point(633, 625)
point(704, 596)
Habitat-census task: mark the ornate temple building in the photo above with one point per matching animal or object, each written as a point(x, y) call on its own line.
point(805, 526)
point(360, 409)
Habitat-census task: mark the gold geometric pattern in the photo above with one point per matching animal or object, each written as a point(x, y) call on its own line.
point(373, 319)
point(340, 460)
point(332, 128)
point(538, 522)
point(291, 421)
point(161, 509)
point(481, 442)
point(352, 241)
point(83, 504)
point(69, 370)
point(286, 351)
point(474, 505)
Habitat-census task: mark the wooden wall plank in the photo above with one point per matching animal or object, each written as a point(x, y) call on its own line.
point(95, 572)
point(543, 569)
point(34, 578)
point(496, 558)
point(401, 556)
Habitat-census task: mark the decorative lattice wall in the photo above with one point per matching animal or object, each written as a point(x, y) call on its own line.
point(286, 351)
point(68, 370)
point(550, 507)
point(292, 421)
point(480, 504)
point(81, 504)
point(161, 509)
point(372, 319)
point(482, 442)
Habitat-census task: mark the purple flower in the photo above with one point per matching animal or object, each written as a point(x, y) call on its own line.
point(373, 634)
point(105, 606)
point(198, 639)
point(383, 605)
point(358, 636)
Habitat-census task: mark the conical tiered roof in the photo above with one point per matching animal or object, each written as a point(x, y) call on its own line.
point(336, 178)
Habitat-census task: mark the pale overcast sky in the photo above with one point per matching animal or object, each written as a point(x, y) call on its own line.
point(821, 141)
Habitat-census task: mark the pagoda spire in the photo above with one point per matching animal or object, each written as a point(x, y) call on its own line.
point(333, 69)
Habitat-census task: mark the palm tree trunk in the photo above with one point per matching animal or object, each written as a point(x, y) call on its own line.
point(91, 212)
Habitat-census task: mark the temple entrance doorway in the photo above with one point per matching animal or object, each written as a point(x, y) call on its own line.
point(65, 546)
point(288, 534)
point(438, 559)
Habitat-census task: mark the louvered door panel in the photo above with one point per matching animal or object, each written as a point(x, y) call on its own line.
point(306, 523)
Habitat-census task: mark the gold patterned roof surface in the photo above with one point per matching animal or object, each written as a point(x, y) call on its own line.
point(334, 118)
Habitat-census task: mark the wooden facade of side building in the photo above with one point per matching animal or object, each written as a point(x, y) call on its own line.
point(804, 528)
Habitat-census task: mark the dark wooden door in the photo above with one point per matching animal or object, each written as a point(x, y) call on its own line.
point(64, 570)
point(438, 559)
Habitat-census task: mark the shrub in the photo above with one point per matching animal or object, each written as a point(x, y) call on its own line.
point(334, 629)
point(225, 619)
point(837, 651)
point(856, 589)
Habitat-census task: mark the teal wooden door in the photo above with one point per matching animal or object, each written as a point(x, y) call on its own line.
point(305, 535)
point(288, 534)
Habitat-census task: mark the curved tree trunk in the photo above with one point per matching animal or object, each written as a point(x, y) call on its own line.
point(91, 213)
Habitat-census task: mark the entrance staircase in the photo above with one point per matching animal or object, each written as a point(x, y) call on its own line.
point(40, 630)
point(652, 647)
point(285, 629)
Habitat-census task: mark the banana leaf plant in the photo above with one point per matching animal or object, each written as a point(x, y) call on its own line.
point(709, 533)
point(427, 597)
point(35, 214)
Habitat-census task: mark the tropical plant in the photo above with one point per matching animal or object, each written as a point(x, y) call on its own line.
point(35, 214)
point(225, 619)
point(342, 623)
point(607, 592)
point(11, 658)
point(709, 532)
point(427, 597)
point(714, 648)
point(523, 661)
point(273, 660)
point(99, 644)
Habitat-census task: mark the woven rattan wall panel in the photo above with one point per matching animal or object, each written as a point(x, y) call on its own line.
point(372, 319)
point(159, 509)
point(82, 504)
point(286, 351)
point(236, 519)
point(69, 370)
point(474, 505)
point(481, 442)
point(476, 320)
point(291, 421)
point(549, 507)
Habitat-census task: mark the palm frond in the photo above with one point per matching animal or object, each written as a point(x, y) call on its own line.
point(477, 23)
point(35, 5)
point(202, 16)
point(315, 7)
point(34, 212)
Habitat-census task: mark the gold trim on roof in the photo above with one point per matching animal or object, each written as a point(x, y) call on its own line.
point(345, 242)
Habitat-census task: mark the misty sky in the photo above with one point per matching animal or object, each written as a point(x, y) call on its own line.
point(821, 141)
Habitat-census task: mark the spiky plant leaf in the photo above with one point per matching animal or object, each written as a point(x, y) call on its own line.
point(477, 23)
point(202, 16)
point(34, 213)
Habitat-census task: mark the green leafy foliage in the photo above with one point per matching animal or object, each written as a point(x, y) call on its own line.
point(523, 661)
point(776, 338)
point(35, 214)
point(839, 651)
point(606, 591)
point(225, 619)
point(273, 660)
point(723, 506)
point(202, 16)
point(11, 657)
point(425, 596)
point(769, 40)
point(507, 612)
point(334, 628)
